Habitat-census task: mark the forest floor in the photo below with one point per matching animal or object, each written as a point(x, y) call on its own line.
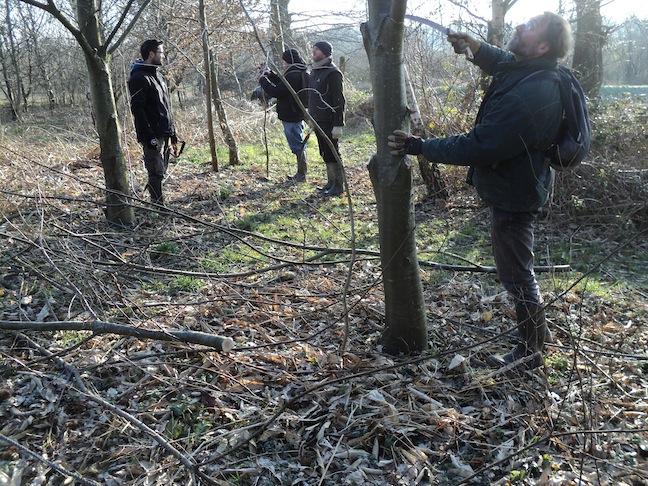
point(306, 397)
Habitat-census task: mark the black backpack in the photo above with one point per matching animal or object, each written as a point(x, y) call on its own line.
point(573, 141)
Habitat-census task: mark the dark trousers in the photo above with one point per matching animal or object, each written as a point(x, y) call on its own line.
point(156, 162)
point(325, 151)
point(512, 240)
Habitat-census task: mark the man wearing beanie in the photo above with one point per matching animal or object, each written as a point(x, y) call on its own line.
point(288, 110)
point(326, 105)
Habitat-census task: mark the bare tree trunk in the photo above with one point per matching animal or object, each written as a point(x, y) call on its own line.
point(276, 27)
point(208, 87)
point(405, 320)
point(118, 208)
point(588, 47)
point(13, 57)
point(12, 92)
point(222, 115)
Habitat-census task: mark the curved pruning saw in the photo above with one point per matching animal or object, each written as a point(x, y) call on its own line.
point(436, 26)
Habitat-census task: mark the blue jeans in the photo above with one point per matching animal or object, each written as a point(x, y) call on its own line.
point(294, 132)
point(512, 240)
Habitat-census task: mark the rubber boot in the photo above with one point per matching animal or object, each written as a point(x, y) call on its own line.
point(300, 176)
point(532, 327)
point(330, 176)
point(338, 182)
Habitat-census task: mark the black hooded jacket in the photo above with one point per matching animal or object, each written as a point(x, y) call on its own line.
point(149, 102)
point(287, 108)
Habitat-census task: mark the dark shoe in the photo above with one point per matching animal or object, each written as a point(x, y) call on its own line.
point(297, 178)
point(549, 339)
point(325, 187)
point(532, 329)
point(528, 359)
point(335, 190)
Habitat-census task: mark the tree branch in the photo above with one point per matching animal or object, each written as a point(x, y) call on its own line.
point(219, 343)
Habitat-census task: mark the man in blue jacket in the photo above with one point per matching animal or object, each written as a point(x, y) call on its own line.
point(517, 120)
point(152, 112)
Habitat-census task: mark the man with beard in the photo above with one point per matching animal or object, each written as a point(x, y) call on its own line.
point(152, 113)
point(518, 119)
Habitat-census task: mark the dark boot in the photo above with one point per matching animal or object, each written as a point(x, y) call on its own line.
point(155, 190)
point(300, 176)
point(338, 182)
point(532, 327)
point(330, 176)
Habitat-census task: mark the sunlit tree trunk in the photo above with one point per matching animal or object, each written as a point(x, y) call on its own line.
point(118, 208)
point(405, 321)
point(222, 115)
point(588, 47)
point(208, 86)
point(276, 28)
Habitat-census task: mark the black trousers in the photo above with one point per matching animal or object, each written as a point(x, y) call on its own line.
point(512, 240)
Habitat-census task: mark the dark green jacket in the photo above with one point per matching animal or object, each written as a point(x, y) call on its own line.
point(516, 121)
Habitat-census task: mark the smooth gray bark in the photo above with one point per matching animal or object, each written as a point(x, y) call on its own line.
point(405, 317)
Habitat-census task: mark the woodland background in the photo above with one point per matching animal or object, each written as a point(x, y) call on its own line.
point(306, 395)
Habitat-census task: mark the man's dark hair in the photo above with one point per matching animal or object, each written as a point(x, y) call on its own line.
point(148, 46)
point(558, 35)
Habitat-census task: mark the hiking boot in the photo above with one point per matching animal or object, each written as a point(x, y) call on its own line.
point(335, 190)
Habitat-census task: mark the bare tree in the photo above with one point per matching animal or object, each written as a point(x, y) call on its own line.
point(405, 321)
point(590, 38)
point(208, 85)
point(13, 84)
point(92, 19)
point(499, 9)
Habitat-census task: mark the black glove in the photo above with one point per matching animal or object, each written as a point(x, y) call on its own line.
point(153, 144)
point(405, 143)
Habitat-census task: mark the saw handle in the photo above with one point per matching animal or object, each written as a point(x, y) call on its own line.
point(468, 52)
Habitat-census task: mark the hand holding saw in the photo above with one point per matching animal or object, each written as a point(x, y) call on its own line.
point(439, 27)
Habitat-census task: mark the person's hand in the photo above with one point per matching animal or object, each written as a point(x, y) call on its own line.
point(405, 143)
point(462, 42)
point(336, 133)
point(174, 139)
point(153, 144)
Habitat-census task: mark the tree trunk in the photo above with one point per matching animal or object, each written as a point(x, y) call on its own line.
point(118, 208)
point(208, 87)
point(276, 28)
point(222, 116)
point(405, 321)
point(588, 47)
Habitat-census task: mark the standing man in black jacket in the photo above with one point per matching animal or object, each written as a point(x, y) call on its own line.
point(326, 105)
point(519, 118)
point(288, 110)
point(152, 112)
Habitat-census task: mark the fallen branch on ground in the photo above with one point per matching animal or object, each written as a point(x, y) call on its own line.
point(219, 343)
